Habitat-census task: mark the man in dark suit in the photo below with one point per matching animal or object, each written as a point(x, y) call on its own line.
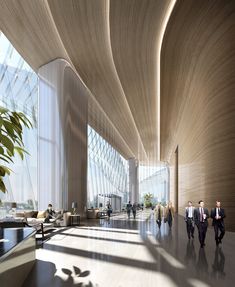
point(201, 215)
point(189, 219)
point(218, 215)
point(128, 209)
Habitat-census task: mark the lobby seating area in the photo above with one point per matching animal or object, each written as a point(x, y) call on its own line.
point(36, 220)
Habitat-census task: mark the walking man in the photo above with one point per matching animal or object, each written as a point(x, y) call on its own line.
point(201, 215)
point(158, 214)
point(218, 215)
point(134, 209)
point(189, 219)
point(128, 209)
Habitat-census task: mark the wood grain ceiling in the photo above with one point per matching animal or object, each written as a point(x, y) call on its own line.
point(113, 45)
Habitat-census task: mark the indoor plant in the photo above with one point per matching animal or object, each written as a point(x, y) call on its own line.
point(11, 141)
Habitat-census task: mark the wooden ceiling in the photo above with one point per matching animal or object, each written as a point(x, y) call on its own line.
point(113, 45)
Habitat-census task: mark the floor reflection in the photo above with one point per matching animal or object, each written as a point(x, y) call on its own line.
point(218, 264)
point(190, 256)
point(202, 264)
point(137, 253)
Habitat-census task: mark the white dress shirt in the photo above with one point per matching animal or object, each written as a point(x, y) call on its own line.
point(190, 211)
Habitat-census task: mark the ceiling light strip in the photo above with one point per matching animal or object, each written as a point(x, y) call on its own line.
point(162, 32)
point(118, 79)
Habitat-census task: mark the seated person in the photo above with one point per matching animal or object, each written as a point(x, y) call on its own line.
point(51, 214)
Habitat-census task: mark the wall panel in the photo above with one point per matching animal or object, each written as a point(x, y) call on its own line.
point(198, 103)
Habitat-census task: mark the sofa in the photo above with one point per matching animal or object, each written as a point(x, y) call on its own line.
point(35, 217)
point(92, 213)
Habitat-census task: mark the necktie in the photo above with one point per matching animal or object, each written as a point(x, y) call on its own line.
point(201, 214)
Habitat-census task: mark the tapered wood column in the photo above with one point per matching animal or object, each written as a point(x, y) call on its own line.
point(63, 100)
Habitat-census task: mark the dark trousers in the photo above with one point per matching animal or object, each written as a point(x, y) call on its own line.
point(169, 220)
point(219, 226)
point(128, 213)
point(190, 227)
point(159, 222)
point(202, 229)
point(134, 213)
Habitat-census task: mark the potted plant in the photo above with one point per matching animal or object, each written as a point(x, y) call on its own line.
point(148, 200)
point(11, 141)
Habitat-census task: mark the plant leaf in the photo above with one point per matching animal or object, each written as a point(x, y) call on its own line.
point(2, 158)
point(3, 110)
point(2, 185)
point(1, 150)
point(8, 144)
point(21, 151)
point(6, 169)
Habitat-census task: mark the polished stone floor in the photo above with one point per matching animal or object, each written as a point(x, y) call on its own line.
point(123, 252)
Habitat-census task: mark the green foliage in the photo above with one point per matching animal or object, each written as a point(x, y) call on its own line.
point(148, 197)
point(11, 131)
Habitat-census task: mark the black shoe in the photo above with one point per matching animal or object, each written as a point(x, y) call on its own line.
point(192, 236)
point(217, 242)
point(202, 245)
point(220, 241)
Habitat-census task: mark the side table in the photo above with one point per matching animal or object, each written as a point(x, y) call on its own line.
point(74, 219)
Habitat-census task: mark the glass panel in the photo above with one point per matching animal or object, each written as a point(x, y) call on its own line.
point(154, 180)
point(19, 91)
point(107, 174)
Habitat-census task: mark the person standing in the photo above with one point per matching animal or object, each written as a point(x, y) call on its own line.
point(218, 215)
point(128, 209)
point(169, 213)
point(134, 209)
point(158, 211)
point(201, 215)
point(189, 219)
point(109, 210)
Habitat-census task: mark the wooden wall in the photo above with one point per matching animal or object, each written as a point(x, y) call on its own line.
point(198, 102)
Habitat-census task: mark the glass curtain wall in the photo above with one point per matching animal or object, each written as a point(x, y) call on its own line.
point(154, 181)
point(107, 174)
point(19, 92)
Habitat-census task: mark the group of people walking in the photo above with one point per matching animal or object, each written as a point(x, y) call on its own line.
point(195, 216)
point(199, 217)
point(165, 213)
point(131, 208)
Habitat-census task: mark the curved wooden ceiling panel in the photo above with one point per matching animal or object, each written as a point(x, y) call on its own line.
point(113, 45)
point(31, 29)
point(84, 29)
point(135, 26)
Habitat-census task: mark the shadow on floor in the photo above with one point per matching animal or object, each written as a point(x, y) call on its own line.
point(200, 266)
point(44, 274)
